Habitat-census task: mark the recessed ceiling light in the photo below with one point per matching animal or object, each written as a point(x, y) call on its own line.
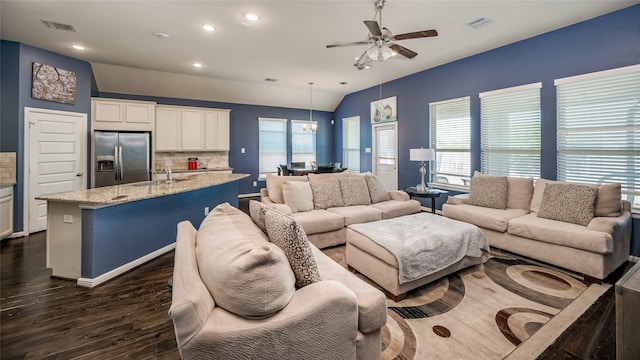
point(251, 16)
point(244, 24)
point(197, 65)
point(208, 27)
point(270, 79)
point(343, 83)
point(161, 35)
point(78, 47)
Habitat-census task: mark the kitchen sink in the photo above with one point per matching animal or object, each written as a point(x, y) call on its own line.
point(156, 182)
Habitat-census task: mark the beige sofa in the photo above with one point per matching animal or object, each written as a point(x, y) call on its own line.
point(583, 228)
point(325, 204)
point(238, 295)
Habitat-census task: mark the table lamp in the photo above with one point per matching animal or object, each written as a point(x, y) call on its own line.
point(422, 155)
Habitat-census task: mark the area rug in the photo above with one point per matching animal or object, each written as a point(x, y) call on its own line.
point(507, 308)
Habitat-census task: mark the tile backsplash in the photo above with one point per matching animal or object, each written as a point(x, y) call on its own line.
point(179, 160)
point(7, 168)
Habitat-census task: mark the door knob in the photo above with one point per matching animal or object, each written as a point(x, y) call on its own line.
point(79, 174)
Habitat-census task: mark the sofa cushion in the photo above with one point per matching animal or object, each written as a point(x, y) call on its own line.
point(609, 200)
point(561, 233)
point(377, 191)
point(326, 193)
point(354, 190)
point(488, 218)
point(319, 221)
point(245, 273)
point(394, 208)
point(520, 193)
point(489, 191)
point(257, 210)
point(566, 202)
point(357, 214)
point(291, 238)
point(297, 195)
point(274, 186)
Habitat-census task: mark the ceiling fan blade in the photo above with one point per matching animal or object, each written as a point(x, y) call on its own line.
point(403, 51)
point(417, 34)
point(374, 28)
point(355, 43)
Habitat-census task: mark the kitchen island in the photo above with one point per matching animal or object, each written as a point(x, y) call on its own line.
point(96, 234)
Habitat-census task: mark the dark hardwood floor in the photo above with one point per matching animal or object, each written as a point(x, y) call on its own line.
point(47, 318)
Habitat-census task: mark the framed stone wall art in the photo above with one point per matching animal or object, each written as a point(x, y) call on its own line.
point(384, 110)
point(53, 84)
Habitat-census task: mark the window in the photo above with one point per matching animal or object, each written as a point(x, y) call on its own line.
point(351, 143)
point(510, 131)
point(598, 121)
point(450, 138)
point(303, 142)
point(272, 144)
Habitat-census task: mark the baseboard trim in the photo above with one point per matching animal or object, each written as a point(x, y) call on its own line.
point(634, 259)
point(92, 282)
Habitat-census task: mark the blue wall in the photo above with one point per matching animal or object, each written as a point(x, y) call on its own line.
point(244, 132)
point(17, 60)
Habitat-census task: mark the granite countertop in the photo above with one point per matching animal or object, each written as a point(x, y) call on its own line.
point(117, 194)
point(182, 171)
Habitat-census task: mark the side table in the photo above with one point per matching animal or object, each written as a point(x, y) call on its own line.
point(430, 193)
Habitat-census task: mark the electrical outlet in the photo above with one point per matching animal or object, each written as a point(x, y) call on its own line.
point(255, 183)
point(206, 211)
point(68, 219)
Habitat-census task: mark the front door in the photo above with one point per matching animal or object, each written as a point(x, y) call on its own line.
point(385, 151)
point(56, 159)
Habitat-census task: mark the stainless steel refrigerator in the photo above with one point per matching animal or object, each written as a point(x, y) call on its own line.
point(121, 157)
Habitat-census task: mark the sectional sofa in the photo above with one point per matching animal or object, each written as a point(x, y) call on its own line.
point(583, 228)
point(325, 204)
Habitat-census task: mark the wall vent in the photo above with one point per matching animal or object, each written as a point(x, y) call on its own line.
point(58, 26)
point(480, 23)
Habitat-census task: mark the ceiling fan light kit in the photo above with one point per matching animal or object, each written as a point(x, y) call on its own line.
point(382, 43)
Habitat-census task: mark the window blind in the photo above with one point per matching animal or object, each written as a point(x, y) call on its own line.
point(272, 144)
point(386, 146)
point(510, 131)
point(351, 143)
point(303, 142)
point(598, 123)
point(450, 138)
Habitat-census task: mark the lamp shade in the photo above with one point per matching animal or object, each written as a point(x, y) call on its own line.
point(421, 154)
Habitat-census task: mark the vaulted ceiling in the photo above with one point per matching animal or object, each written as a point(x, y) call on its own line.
point(287, 43)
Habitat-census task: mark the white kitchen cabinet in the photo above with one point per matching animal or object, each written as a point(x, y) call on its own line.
point(6, 211)
point(118, 115)
point(216, 129)
point(191, 129)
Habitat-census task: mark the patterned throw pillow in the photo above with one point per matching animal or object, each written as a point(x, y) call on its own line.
point(377, 191)
point(355, 191)
point(257, 211)
point(326, 193)
point(489, 191)
point(570, 203)
point(287, 234)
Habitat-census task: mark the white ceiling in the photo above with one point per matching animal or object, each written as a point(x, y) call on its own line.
point(287, 43)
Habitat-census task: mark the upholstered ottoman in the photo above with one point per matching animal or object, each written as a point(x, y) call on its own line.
point(406, 252)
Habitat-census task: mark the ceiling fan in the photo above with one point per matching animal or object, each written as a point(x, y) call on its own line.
point(382, 42)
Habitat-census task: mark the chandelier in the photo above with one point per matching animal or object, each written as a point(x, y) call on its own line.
point(312, 125)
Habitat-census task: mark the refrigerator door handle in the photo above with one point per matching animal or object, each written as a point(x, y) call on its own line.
point(117, 161)
point(121, 166)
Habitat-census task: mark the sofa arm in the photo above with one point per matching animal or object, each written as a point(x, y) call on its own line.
point(320, 322)
point(191, 301)
point(616, 226)
point(399, 195)
point(458, 199)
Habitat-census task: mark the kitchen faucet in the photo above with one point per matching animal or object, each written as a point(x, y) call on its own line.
point(167, 171)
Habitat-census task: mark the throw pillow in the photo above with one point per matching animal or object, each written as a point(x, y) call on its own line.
point(609, 200)
point(257, 210)
point(520, 193)
point(355, 191)
point(245, 273)
point(326, 193)
point(377, 191)
point(285, 232)
point(489, 191)
point(274, 186)
point(570, 203)
point(538, 191)
point(297, 195)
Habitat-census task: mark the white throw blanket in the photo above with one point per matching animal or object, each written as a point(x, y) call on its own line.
point(424, 243)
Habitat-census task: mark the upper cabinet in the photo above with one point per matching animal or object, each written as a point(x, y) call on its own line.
point(191, 129)
point(118, 115)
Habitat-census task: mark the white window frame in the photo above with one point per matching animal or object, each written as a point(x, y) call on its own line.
point(452, 166)
point(271, 167)
point(598, 127)
point(510, 131)
point(351, 144)
point(299, 135)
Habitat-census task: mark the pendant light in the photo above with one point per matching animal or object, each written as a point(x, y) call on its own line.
point(312, 126)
